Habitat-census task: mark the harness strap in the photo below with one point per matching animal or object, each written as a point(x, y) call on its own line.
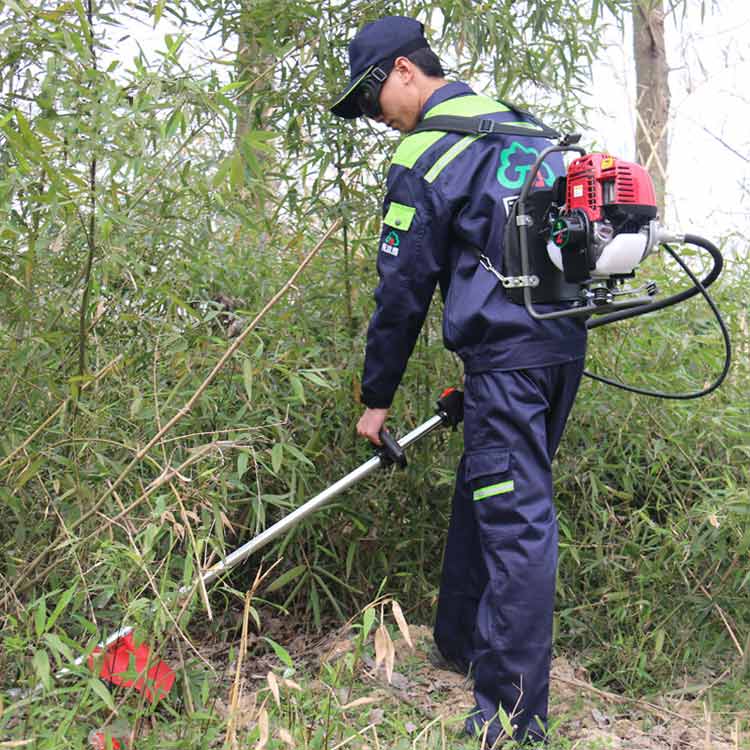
point(484, 126)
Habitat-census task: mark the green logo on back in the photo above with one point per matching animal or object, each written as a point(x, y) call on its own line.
point(392, 238)
point(515, 163)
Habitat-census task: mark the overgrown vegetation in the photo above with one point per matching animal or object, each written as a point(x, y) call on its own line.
point(139, 235)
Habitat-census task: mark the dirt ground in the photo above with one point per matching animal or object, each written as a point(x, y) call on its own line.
point(585, 717)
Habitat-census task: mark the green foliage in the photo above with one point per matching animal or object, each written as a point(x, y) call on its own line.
point(653, 500)
point(148, 210)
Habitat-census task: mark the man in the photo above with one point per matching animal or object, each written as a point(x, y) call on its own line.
point(448, 196)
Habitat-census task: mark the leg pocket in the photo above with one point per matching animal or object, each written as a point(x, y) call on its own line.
point(490, 478)
point(483, 468)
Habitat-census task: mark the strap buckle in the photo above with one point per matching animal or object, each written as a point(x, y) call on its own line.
point(378, 74)
point(485, 125)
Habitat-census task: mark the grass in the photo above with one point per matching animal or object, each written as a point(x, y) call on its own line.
point(361, 685)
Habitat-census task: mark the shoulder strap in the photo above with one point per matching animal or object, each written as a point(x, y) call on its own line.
point(486, 126)
point(481, 126)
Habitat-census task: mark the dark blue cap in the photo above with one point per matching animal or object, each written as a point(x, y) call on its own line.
point(379, 42)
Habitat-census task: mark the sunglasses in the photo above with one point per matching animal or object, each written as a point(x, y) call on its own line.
point(368, 95)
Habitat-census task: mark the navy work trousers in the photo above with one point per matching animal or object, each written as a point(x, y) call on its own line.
point(494, 615)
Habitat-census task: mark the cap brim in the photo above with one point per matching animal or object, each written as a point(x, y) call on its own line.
point(346, 105)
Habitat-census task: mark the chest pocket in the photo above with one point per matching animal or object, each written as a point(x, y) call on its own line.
point(399, 216)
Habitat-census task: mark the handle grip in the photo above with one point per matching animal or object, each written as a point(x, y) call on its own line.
point(450, 407)
point(391, 452)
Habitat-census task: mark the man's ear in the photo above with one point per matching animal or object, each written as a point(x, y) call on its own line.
point(405, 68)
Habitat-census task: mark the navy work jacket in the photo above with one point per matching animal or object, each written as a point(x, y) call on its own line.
point(449, 193)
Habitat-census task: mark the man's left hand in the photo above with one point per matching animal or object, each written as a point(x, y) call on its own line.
point(370, 424)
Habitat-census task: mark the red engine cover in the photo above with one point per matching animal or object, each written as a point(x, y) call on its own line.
point(596, 180)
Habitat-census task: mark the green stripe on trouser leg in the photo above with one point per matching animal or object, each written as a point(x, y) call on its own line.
point(493, 489)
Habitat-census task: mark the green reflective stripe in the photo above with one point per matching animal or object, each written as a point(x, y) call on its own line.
point(467, 106)
point(413, 146)
point(399, 216)
point(449, 156)
point(493, 489)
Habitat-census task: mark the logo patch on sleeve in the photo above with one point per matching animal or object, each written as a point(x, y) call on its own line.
point(390, 243)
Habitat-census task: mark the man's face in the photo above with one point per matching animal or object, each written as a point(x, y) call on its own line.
point(399, 100)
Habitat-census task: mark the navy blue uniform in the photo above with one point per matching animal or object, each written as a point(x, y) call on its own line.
point(448, 194)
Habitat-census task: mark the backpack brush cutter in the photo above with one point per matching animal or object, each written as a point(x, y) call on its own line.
point(577, 244)
point(581, 241)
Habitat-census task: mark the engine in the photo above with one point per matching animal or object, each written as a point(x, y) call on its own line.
point(603, 229)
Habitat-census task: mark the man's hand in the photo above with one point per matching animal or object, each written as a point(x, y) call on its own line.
point(370, 423)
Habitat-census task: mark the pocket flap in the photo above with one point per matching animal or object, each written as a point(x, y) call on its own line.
point(487, 463)
point(399, 216)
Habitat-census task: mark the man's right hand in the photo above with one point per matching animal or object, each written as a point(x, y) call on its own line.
point(370, 424)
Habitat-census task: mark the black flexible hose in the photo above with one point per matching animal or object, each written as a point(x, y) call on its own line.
point(713, 274)
point(698, 287)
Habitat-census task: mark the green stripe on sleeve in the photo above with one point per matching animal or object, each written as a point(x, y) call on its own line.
point(449, 156)
point(413, 146)
point(493, 489)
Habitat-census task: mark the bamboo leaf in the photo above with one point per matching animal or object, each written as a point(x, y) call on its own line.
point(30, 140)
point(247, 378)
point(62, 603)
point(505, 722)
point(359, 702)
point(659, 642)
point(281, 652)
point(287, 577)
point(158, 10)
point(237, 171)
point(263, 729)
point(101, 690)
point(381, 645)
point(401, 622)
point(315, 603)
point(390, 656)
point(273, 685)
point(40, 616)
point(40, 661)
point(368, 620)
point(277, 454)
point(29, 472)
point(173, 123)
point(243, 457)
point(298, 388)
point(221, 173)
point(58, 646)
point(314, 377)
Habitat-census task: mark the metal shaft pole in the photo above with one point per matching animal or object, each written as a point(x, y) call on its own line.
point(317, 502)
point(286, 523)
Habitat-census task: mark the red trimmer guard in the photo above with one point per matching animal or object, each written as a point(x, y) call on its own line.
point(116, 664)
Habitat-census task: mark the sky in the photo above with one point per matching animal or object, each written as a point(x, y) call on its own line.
point(708, 177)
point(708, 182)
